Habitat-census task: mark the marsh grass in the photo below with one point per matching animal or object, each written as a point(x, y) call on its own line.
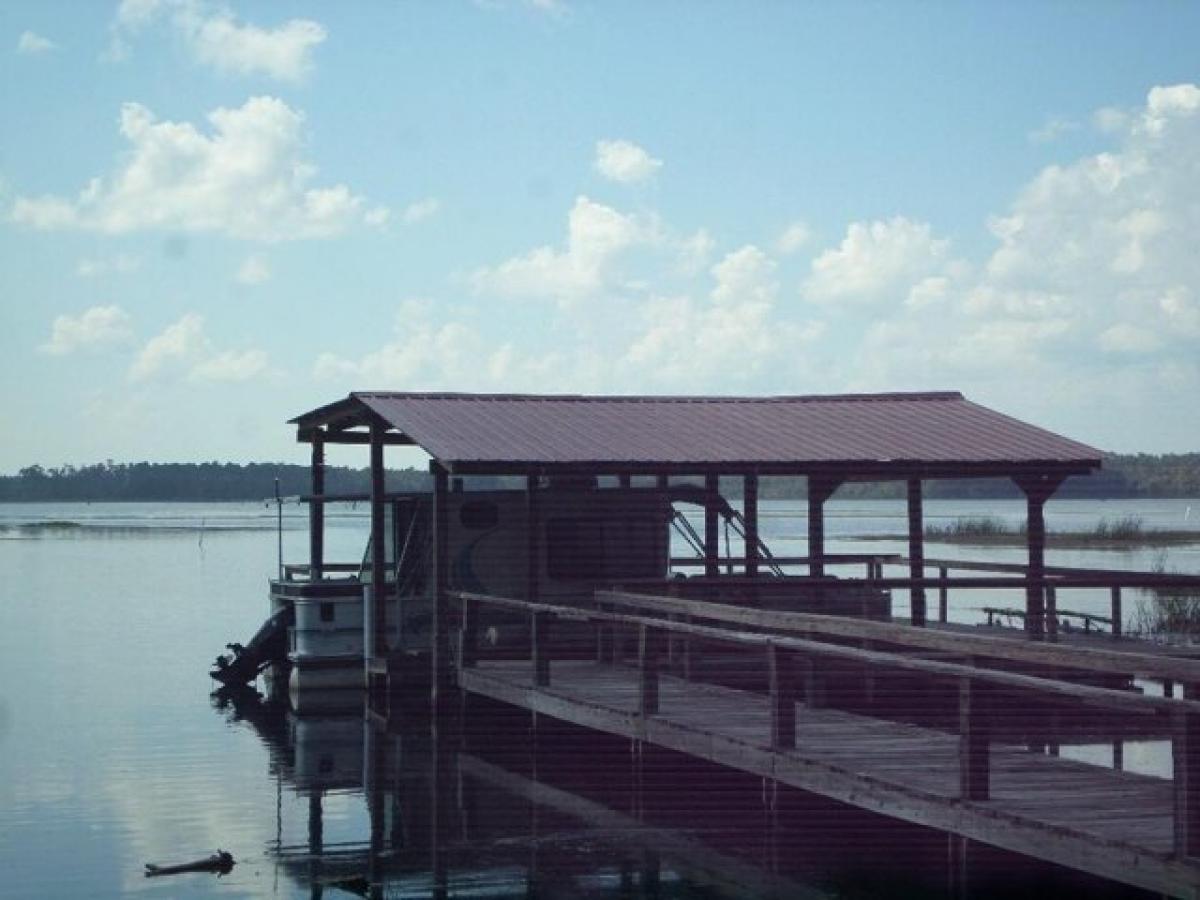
point(1168, 612)
point(1127, 531)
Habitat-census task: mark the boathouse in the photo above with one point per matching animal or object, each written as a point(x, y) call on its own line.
point(555, 439)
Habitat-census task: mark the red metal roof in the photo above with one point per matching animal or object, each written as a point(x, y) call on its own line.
point(859, 429)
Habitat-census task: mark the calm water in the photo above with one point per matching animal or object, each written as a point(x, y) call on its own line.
point(113, 754)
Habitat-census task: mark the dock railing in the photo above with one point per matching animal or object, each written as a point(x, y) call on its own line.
point(793, 644)
point(1012, 576)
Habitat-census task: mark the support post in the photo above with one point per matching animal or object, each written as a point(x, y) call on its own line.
point(624, 480)
point(440, 655)
point(973, 760)
point(316, 509)
point(468, 636)
point(1116, 614)
point(783, 699)
point(648, 653)
point(819, 490)
point(540, 648)
point(531, 544)
point(750, 513)
point(378, 548)
point(1185, 752)
point(712, 536)
point(916, 549)
point(943, 596)
point(1051, 596)
point(1037, 491)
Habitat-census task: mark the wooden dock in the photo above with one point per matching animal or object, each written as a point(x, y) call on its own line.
point(1132, 829)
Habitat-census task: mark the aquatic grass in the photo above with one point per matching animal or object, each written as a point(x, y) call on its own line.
point(1125, 531)
point(1168, 612)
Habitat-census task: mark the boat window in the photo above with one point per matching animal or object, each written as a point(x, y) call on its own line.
point(479, 514)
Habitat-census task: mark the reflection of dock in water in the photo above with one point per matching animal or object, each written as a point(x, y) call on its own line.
point(498, 804)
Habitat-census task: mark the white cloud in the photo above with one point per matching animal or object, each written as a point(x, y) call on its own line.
point(625, 162)
point(1052, 129)
point(596, 237)
point(230, 366)
point(121, 264)
point(421, 210)
point(31, 44)
point(216, 38)
point(793, 238)
point(253, 270)
point(95, 327)
point(185, 348)
point(183, 342)
point(1126, 338)
point(246, 180)
point(876, 261)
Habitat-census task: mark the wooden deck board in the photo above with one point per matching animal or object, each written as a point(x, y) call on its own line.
point(1118, 824)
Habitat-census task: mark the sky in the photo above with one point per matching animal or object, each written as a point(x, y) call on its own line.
point(215, 216)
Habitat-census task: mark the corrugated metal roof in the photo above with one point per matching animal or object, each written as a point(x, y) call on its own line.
point(935, 428)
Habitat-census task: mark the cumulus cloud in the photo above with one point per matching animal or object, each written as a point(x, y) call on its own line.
point(98, 326)
point(185, 348)
point(421, 210)
point(1052, 129)
point(793, 238)
point(245, 179)
point(120, 264)
point(32, 44)
point(625, 162)
point(877, 261)
point(597, 235)
point(253, 270)
point(216, 38)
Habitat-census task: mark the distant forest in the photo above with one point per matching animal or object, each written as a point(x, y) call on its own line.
point(1140, 475)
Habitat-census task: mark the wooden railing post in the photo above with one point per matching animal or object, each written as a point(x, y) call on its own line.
point(540, 648)
point(648, 651)
point(1185, 752)
point(1052, 613)
point(974, 764)
point(783, 699)
point(468, 644)
point(1116, 612)
point(943, 596)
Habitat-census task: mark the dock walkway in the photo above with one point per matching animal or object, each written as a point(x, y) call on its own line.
point(975, 782)
point(1115, 824)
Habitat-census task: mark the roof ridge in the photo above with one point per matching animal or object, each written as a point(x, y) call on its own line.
point(923, 396)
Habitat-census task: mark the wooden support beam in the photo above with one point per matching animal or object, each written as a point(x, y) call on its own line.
point(1185, 752)
point(943, 597)
point(819, 490)
point(378, 548)
point(973, 739)
point(712, 535)
point(916, 548)
point(316, 511)
point(649, 639)
point(750, 512)
point(468, 635)
point(540, 648)
point(782, 681)
point(358, 438)
point(440, 651)
point(624, 480)
point(533, 522)
point(1038, 489)
point(1117, 613)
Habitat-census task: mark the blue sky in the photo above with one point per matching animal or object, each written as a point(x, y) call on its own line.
point(215, 216)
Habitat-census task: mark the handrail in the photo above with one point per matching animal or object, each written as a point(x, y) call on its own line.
point(1121, 662)
point(1096, 696)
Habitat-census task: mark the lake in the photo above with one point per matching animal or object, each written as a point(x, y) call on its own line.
point(113, 754)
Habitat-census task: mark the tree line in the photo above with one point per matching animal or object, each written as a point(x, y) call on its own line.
point(1123, 475)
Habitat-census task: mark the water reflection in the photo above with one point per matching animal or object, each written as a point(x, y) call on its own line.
point(490, 801)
